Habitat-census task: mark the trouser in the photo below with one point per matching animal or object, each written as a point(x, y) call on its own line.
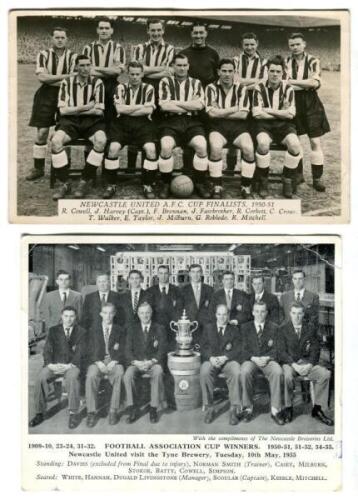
point(320, 377)
point(94, 376)
point(156, 384)
point(273, 373)
point(208, 374)
point(42, 389)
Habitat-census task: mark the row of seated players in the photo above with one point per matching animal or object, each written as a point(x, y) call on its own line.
point(141, 346)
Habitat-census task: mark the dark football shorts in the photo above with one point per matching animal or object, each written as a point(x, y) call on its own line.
point(82, 127)
point(181, 127)
point(44, 107)
point(130, 130)
point(276, 129)
point(311, 118)
point(110, 85)
point(230, 129)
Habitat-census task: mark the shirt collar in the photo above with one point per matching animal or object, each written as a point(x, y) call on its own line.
point(301, 292)
point(151, 44)
point(223, 326)
point(104, 326)
point(257, 325)
point(269, 86)
point(166, 286)
point(146, 326)
point(97, 42)
point(86, 82)
point(255, 56)
point(137, 290)
point(61, 292)
point(68, 328)
point(103, 293)
point(259, 294)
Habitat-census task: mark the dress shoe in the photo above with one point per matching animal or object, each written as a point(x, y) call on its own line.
point(164, 191)
point(203, 191)
point(287, 414)
point(91, 419)
point(74, 420)
point(148, 192)
point(318, 414)
point(319, 186)
point(133, 415)
point(278, 419)
point(35, 173)
point(209, 415)
point(245, 193)
point(153, 415)
point(113, 417)
point(233, 418)
point(38, 418)
point(109, 192)
point(287, 188)
point(217, 193)
point(64, 189)
point(81, 189)
point(247, 415)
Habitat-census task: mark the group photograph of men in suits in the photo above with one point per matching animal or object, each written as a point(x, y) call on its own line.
point(108, 348)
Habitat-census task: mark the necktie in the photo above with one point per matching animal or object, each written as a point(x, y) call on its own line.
point(103, 299)
point(221, 331)
point(298, 297)
point(228, 299)
point(67, 331)
point(259, 333)
point(135, 302)
point(197, 294)
point(298, 333)
point(163, 291)
point(106, 338)
point(145, 332)
point(64, 297)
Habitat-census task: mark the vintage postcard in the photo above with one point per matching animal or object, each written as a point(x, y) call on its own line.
point(179, 117)
point(186, 363)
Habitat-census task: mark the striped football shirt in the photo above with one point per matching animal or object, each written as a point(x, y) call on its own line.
point(105, 56)
point(250, 67)
point(215, 96)
point(281, 98)
point(48, 61)
point(304, 69)
point(171, 89)
point(74, 93)
point(126, 94)
point(153, 54)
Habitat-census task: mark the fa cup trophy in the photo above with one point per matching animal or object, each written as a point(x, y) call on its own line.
point(184, 329)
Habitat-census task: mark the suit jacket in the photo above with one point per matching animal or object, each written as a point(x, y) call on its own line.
point(240, 305)
point(166, 308)
point(267, 346)
point(92, 307)
point(53, 306)
point(154, 348)
point(125, 300)
point(272, 303)
point(292, 348)
point(96, 349)
point(215, 344)
point(195, 313)
point(58, 349)
point(310, 301)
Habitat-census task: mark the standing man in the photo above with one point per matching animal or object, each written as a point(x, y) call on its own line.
point(260, 348)
point(299, 353)
point(273, 110)
point(94, 301)
point(62, 357)
point(181, 97)
point(108, 60)
point(228, 105)
point(131, 299)
point(146, 351)
point(81, 106)
point(309, 300)
point(250, 66)
point(56, 300)
point(135, 103)
point(196, 300)
point(236, 301)
point(52, 66)
point(304, 74)
point(259, 294)
point(105, 357)
point(219, 354)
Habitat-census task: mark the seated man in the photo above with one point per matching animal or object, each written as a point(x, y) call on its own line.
point(219, 353)
point(273, 110)
point(228, 106)
point(299, 353)
point(181, 97)
point(106, 357)
point(134, 102)
point(81, 106)
point(62, 356)
point(146, 351)
point(260, 352)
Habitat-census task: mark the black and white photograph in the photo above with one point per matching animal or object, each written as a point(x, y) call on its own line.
point(174, 335)
point(114, 106)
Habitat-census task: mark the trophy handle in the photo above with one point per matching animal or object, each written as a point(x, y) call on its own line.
point(195, 325)
point(173, 329)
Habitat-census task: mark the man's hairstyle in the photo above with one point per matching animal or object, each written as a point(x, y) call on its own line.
point(299, 270)
point(103, 273)
point(164, 266)
point(105, 20)
point(179, 55)
point(249, 36)
point(69, 308)
point(135, 64)
point(277, 61)
point(256, 276)
point(154, 21)
point(62, 271)
point(296, 35)
point(82, 57)
point(226, 60)
point(199, 24)
point(145, 304)
point(135, 271)
point(193, 266)
point(222, 305)
point(260, 303)
point(227, 273)
point(297, 305)
point(108, 304)
point(58, 28)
